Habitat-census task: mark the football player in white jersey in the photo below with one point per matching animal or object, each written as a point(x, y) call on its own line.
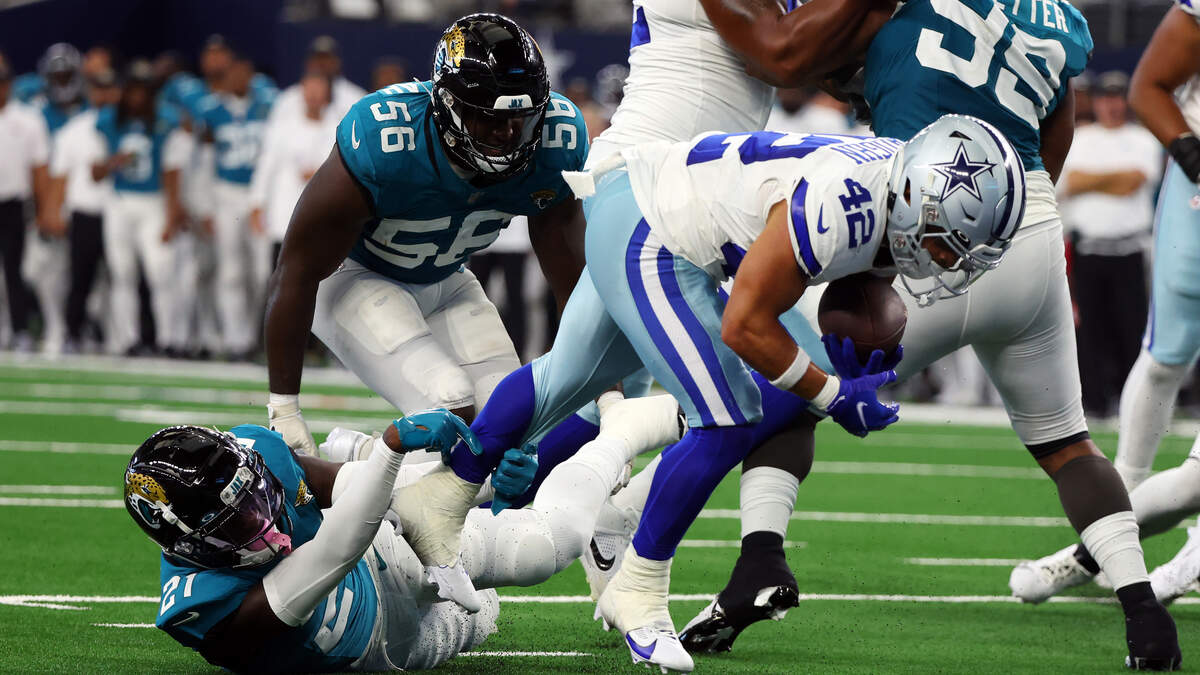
point(668, 223)
point(1165, 93)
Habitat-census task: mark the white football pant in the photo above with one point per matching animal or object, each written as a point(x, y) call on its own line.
point(243, 261)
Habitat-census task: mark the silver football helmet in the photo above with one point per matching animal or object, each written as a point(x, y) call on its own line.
point(958, 187)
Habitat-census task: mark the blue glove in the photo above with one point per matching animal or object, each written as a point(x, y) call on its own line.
point(844, 358)
point(513, 476)
point(437, 430)
point(857, 408)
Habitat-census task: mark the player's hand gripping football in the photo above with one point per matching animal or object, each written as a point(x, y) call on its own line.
point(856, 406)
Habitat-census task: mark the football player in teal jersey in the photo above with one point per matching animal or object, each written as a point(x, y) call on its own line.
point(273, 561)
point(1008, 62)
point(232, 123)
point(423, 175)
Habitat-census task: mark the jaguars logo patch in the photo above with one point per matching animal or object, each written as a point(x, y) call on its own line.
point(450, 50)
point(144, 493)
point(303, 496)
point(543, 198)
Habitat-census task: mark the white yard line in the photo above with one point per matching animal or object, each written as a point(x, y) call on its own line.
point(124, 625)
point(68, 447)
point(729, 543)
point(182, 394)
point(46, 601)
point(525, 654)
point(209, 370)
point(964, 562)
point(57, 490)
point(913, 469)
point(317, 422)
point(70, 503)
point(907, 518)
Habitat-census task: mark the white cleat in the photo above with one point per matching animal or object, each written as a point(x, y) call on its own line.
point(346, 445)
point(431, 512)
point(602, 558)
point(1181, 574)
point(635, 603)
point(1038, 580)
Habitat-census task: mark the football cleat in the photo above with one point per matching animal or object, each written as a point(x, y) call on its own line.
point(1036, 581)
point(1152, 639)
point(1181, 574)
point(602, 559)
point(635, 603)
point(714, 630)
point(431, 512)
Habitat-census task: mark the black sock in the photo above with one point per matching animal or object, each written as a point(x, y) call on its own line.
point(1136, 596)
point(1084, 558)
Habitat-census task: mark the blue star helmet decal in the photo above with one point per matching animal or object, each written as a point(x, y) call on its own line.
point(961, 173)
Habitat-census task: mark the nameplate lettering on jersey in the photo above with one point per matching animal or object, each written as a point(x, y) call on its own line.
point(869, 150)
point(1044, 12)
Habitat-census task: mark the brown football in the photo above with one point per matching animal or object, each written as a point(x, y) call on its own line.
point(866, 309)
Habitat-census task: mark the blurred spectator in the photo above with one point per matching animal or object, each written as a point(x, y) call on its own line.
point(809, 111)
point(610, 87)
point(1082, 84)
point(1107, 204)
point(388, 71)
point(323, 60)
point(23, 174)
point(234, 120)
point(215, 59)
point(595, 117)
point(77, 147)
point(47, 260)
point(293, 150)
point(144, 153)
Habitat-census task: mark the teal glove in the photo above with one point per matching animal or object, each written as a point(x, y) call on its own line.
point(513, 476)
point(442, 431)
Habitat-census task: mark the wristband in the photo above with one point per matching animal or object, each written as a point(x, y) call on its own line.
point(824, 398)
point(794, 372)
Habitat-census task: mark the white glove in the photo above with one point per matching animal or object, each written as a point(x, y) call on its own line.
point(283, 415)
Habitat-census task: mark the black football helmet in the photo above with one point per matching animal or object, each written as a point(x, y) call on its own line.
point(206, 499)
point(490, 91)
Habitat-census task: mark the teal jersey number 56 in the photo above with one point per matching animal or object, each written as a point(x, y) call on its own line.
point(1007, 62)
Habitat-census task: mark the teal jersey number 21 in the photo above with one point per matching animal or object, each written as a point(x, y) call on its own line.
point(1007, 62)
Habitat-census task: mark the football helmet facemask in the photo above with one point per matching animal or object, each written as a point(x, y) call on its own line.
point(956, 195)
point(207, 500)
point(490, 92)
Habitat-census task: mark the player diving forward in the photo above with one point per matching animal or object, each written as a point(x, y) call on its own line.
point(1172, 334)
point(668, 222)
point(1008, 62)
point(423, 175)
point(257, 577)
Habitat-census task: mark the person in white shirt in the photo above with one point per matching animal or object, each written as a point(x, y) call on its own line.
point(1108, 205)
point(322, 59)
point(293, 149)
point(79, 145)
point(23, 174)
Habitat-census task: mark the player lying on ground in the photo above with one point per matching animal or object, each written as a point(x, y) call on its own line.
point(1172, 335)
point(1019, 319)
point(668, 222)
point(424, 174)
point(256, 577)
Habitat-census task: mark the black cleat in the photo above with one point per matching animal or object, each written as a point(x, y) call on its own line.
point(714, 629)
point(1150, 634)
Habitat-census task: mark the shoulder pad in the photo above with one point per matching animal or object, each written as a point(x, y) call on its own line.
point(564, 144)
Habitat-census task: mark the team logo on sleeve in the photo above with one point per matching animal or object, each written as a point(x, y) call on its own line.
point(145, 494)
point(961, 173)
point(303, 496)
point(543, 198)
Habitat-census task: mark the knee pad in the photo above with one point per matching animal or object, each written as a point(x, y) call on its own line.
point(470, 327)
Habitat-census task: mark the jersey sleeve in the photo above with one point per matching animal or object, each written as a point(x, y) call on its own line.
point(833, 234)
point(358, 142)
point(1191, 7)
point(278, 458)
point(195, 600)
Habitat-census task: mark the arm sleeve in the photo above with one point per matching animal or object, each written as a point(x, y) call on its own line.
point(39, 141)
point(301, 581)
point(177, 150)
point(265, 168)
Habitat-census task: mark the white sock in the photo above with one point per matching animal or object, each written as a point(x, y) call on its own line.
point(650, 580)
point(1168, 496)
point(632, 497)
point(767, 497)
point(1147, 403)
point(1113, 543)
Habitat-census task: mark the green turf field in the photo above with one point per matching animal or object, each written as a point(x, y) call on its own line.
point(902, 544)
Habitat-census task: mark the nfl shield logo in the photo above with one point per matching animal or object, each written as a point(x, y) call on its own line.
point(543, 198)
